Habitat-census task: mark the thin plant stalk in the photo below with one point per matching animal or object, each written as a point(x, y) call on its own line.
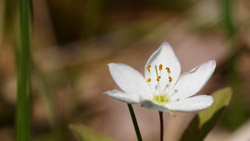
point(161, 126)
point(137, 130)
point(23, 104)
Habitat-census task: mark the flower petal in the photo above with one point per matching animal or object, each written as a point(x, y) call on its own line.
point(124, 97)
point(165, 56)
point(128, 79)
point(193, 81)
point(192, 104)
point(154, 106)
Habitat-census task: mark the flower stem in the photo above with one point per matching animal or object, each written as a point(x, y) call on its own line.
point(137, 130)
point(161, 125)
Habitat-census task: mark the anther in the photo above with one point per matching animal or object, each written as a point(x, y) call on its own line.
point(160, 67)
point(170, 79)
point(148, 67)
point(168, 69)
point(149, 80)
point(158, 78)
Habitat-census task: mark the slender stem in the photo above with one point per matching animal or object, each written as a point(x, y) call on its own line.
point(137, 130)
point(161, 125)
point(23, 104)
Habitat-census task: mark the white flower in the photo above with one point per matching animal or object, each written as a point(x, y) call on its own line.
point(162, 88)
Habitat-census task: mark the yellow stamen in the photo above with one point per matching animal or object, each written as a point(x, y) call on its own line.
point(160, 67)
point(168, 69)
point(158, 78)
point(148, 67)
point(170, 79)
point(149, 80)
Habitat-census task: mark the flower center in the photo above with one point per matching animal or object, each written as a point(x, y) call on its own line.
point(159, 92)
point(161, 99)
point(159, 74)
point(158, 71)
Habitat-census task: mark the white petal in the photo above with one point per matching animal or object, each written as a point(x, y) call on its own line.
point(165, 56)
point(193, 81)
point(154, 106)
point(124, 97)
point(128, 79)
point(192, 104)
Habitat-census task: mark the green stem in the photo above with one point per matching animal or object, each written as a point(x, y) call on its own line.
point(161, 125)
point(23, 104)
point(137, 130)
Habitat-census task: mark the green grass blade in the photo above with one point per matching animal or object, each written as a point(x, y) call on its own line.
point(23, 104)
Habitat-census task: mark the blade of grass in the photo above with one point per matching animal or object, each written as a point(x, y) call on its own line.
point(23, 104)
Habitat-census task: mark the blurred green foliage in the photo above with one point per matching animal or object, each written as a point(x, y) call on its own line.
point(84, 19)
point(85, 134)
point(238, 113)
point(205, 120)
point(10, 11)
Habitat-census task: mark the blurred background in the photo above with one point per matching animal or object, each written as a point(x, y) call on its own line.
point(73, 41)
